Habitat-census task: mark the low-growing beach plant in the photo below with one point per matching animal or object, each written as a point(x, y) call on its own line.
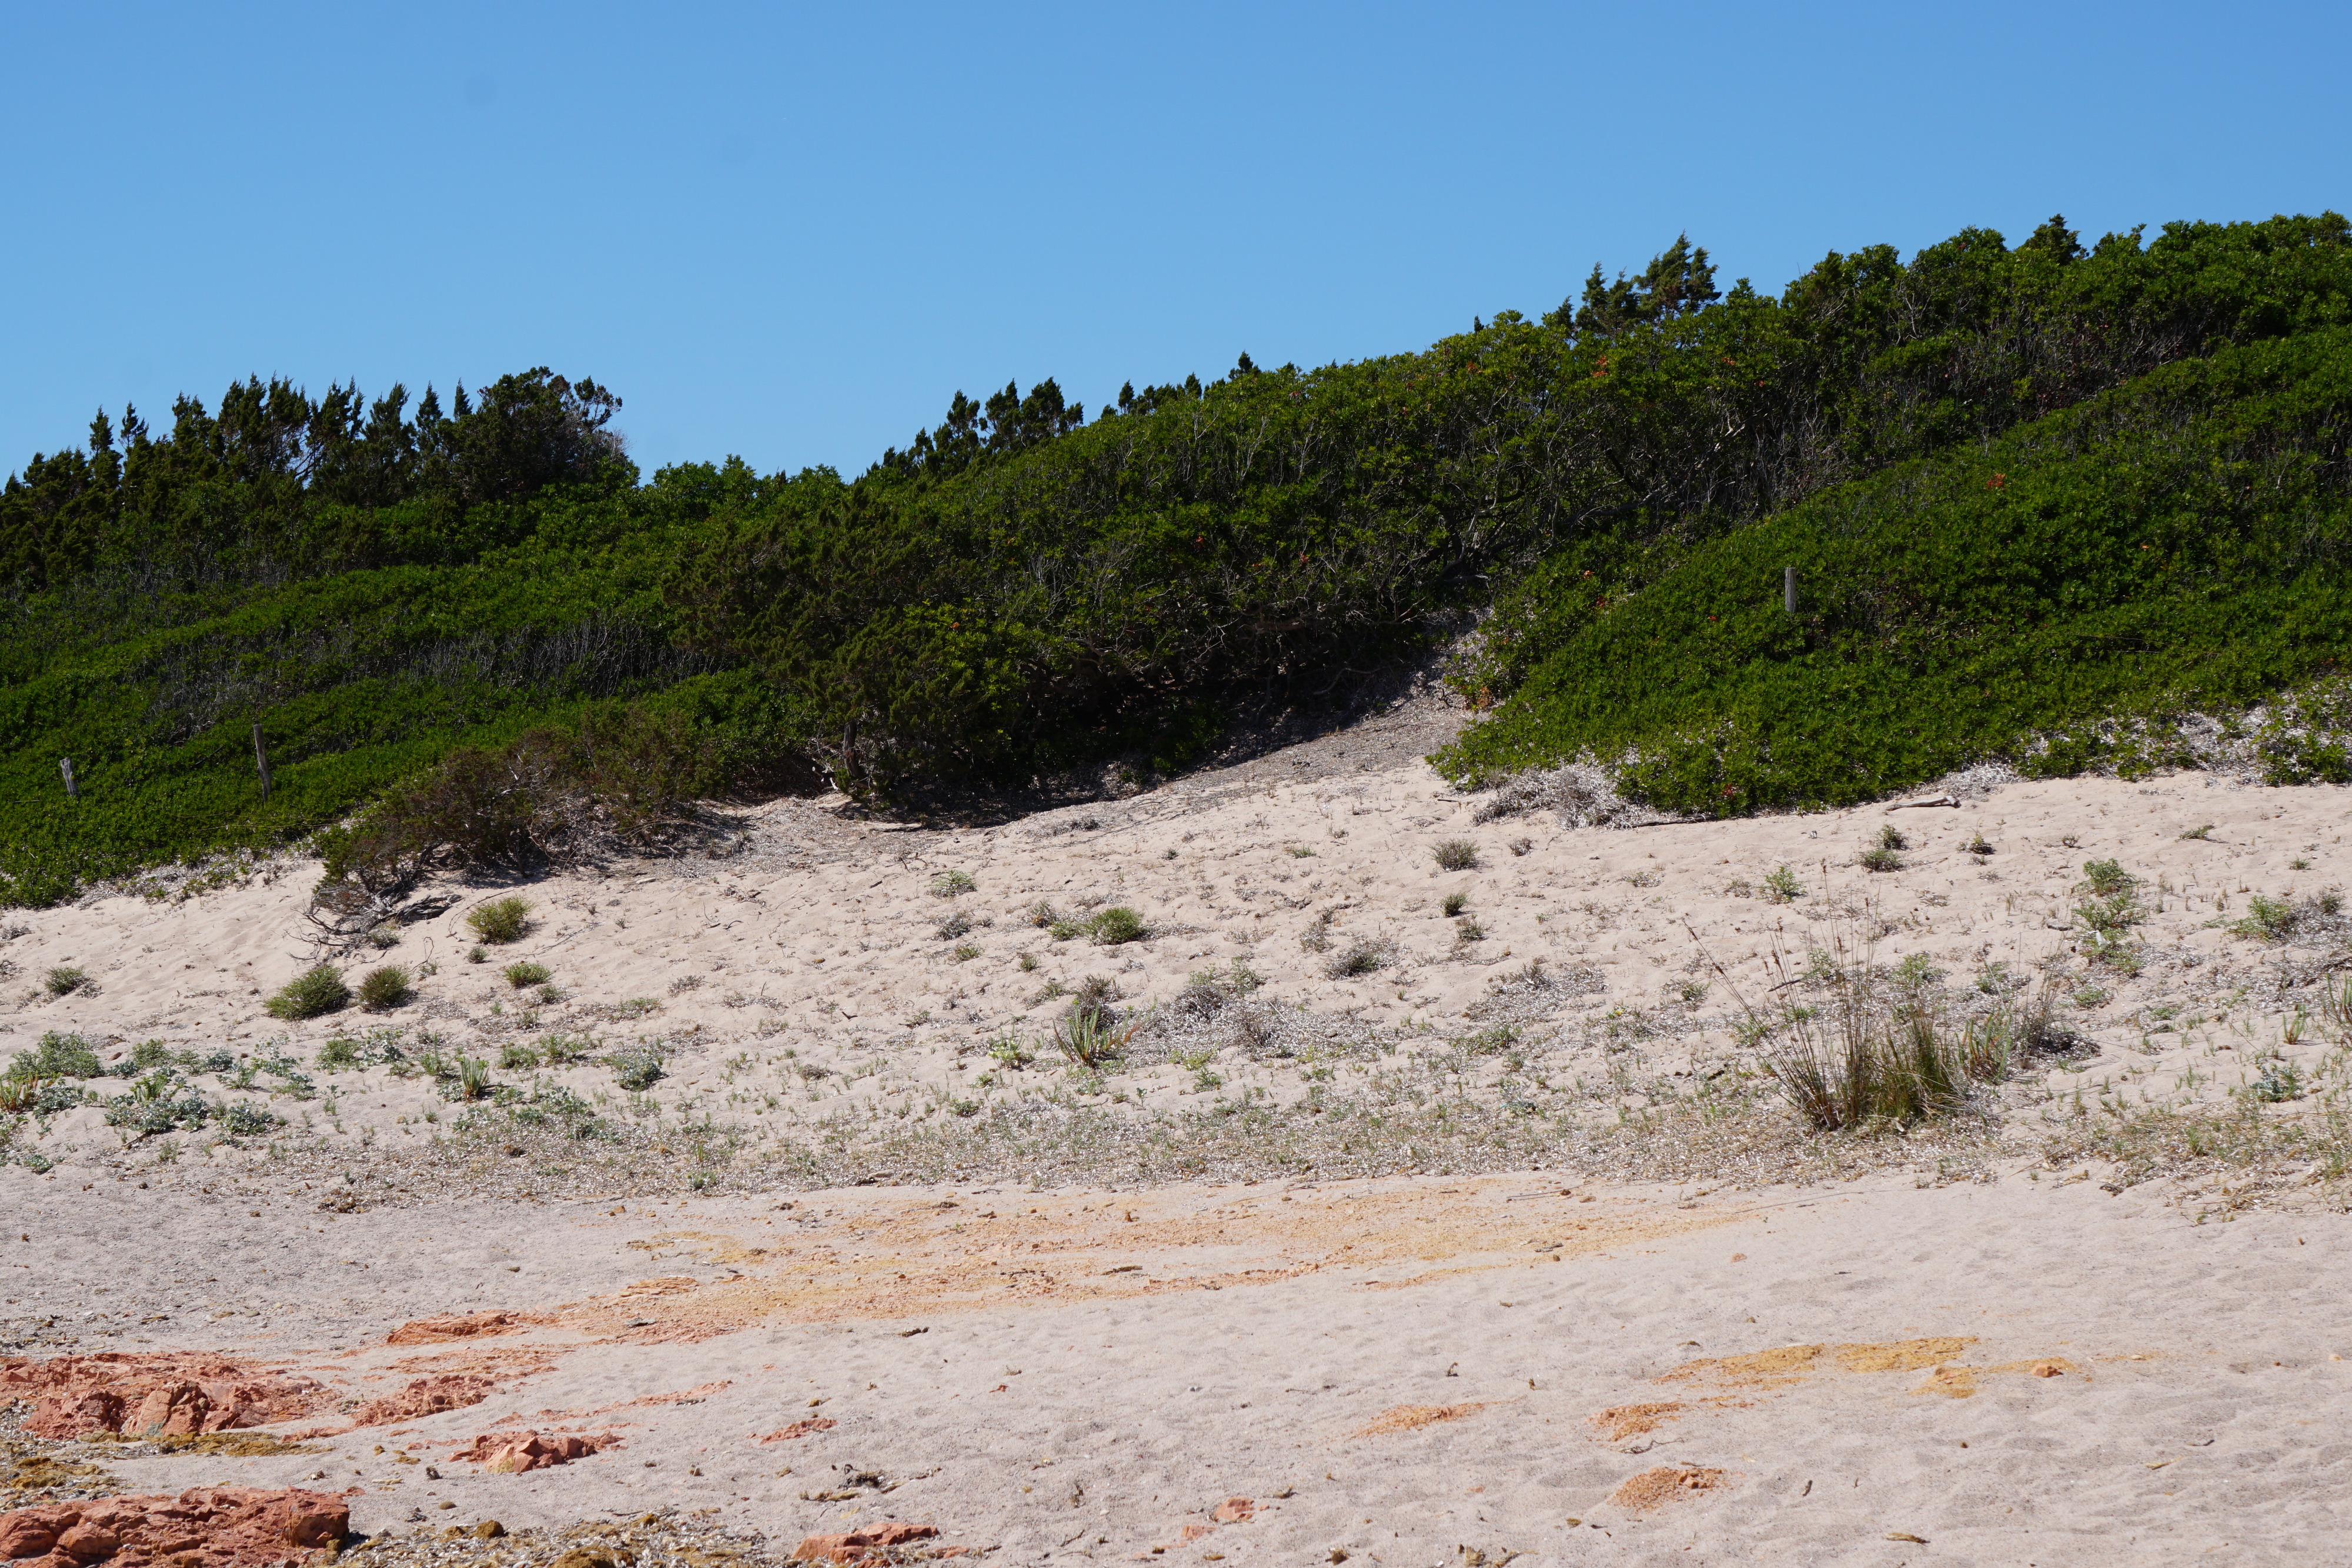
point(964, 952)
point(1454, 903)
point(1456, 854)
point(1118, 924)
point(518, 1058)
point(526, 973)
point(1886, 854)
point(2107, 878)
point(638, 1069)
point(2203, 830)
point(1361, 956)
point(382, 989)
point(501, 920)
point(317, 990)
point(951, 883)
point(951, 925)
point(1781, 886)
point(64, 980)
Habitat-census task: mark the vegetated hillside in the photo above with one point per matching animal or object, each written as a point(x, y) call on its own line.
point(481, 610)
point(2056, 597)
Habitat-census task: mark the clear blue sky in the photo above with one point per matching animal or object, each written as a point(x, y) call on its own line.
point(791, 233)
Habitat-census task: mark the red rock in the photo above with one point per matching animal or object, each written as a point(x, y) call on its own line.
point(1233, 1510)
point(424, 1397)
point(75, 1396)
point(802, 1428)
point(513, 1453)
point(858, 1544)
point(215, 1526)
point(459, 1325)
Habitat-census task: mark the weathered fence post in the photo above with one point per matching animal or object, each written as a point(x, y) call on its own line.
point(1788, 589)
point(260, 759)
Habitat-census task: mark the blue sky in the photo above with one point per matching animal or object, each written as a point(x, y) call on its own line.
point(791, 233)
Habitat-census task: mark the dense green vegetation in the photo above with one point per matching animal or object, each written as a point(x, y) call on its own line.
point(2030, 488)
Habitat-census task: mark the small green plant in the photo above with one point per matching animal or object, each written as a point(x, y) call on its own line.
point(2299, 863)
point(1115, 924)
point(965, 953)
point(501, 921)
point(1041, 913)
point(1316, 937)
point(1028, 963)
point(2107, 878)
point(1454, 903)
point(1006, 1050)
point(1978, 846)
point(2280, 1081)
point(637, 1069)
point(385, 988)
point(1300, 852)
point(2204, 831)
point(59, 1056)
point(64, 980)
point(2267, 918)
point(951, 883)
point(1891, 838)
point(1089, 1039)
point(952, 925)
point(1781, 886)
point(319, 989)
point(477, 955)
point(1882, 857)
point(1360, 957)
point(473, 1080)
point(1467, 931)
point(1456, 854)
point(560, 1049)
point(518, 1058)
point(1915, 973)
point(526, 973)
point(383, 935)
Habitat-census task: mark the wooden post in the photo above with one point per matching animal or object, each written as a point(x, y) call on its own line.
point(1788, 589)
point(260, 759)
point(65, 766)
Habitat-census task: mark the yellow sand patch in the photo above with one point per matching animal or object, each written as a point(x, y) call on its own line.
point(1667, 1483)
point(1952, 1382)
point(1789, 1363)
point(1413, 1417)
point(1622, 1421)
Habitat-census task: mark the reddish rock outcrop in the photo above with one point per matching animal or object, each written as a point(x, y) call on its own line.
point(515, 1452)
point(424, 1397)
point(204, 1527)
point(171, 1391)
point(460, 1325)
point(857, 1546)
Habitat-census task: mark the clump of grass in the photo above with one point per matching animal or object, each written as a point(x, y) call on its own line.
point(1361, 956)
point(684, 983)
point(965, 953)
point(1886, 854)
point(502, 920)
point(1456, 854)
point(477, 955)
point(1781, 886)
point(319, 989)
point(385, 988)
point(64, 980)
point(952, 884)
point(2276, 919)
point(1316, 937)
point(1852, 1069)
point(1041, 913)
point(1978, 846)
point(2203, 832)
point(473, 1079)
point(526, 973)
point(1468, 932)
point(1454, 903)
point(1207, 991)
point(1109, 928)
point(952, 925)
point(518, 1058)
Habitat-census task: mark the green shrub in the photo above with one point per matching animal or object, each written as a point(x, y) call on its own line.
point(1117, 925)
point(2107, 878)
point(319, 989)
point(1878, 857)
point(65, 982)
point(949, 883)
point(59, 1056)
point(501, 920)
point(382, 989)
point(518, 1058)
point(526, 973)
point(1454, 903)
point(1781, 886)
point(1456, 854)
point(638, 1070)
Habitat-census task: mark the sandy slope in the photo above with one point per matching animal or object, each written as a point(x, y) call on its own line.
point(1133, 1353)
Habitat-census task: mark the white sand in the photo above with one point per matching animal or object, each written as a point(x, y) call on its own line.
point(1252, 1332)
